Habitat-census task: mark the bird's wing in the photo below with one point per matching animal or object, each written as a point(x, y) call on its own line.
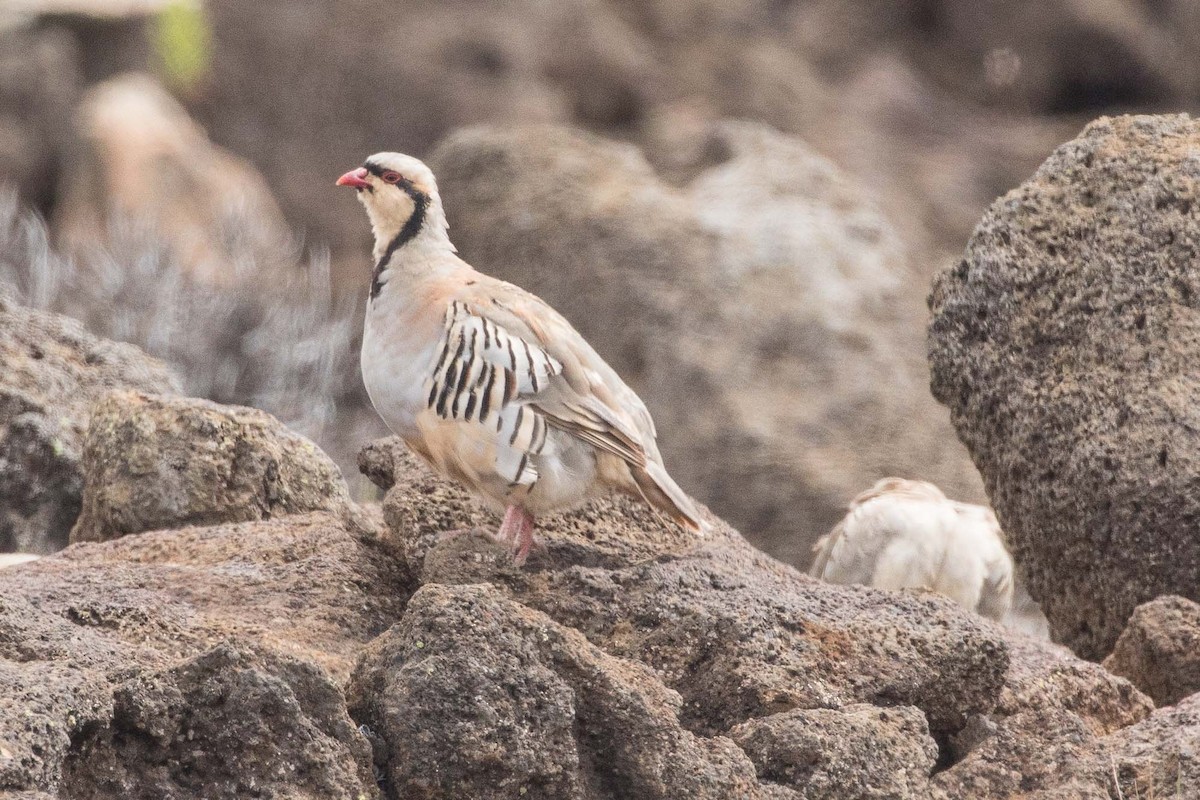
point(509, 361)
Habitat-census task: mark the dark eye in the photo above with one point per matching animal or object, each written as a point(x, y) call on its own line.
point(391, 177)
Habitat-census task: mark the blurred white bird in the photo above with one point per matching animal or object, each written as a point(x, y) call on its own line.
point(907, 534)
point(486, 382)
point(12, 559)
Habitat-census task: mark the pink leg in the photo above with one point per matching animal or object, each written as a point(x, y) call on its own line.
point(510, 528)
point(517, 530)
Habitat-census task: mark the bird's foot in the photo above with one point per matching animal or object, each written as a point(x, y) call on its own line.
point(517, 530)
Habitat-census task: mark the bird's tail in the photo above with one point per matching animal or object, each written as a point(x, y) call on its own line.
point(661, 492)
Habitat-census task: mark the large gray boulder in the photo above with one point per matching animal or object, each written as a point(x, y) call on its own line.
point(766, 311)
point(1065, 345)
point(52, 373)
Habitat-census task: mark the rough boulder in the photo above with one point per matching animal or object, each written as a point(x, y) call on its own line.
point(1065, 344)
point(1159, 651)
point(155, 461)
point(52, 372)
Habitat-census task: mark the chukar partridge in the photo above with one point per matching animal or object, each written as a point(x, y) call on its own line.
point(486, 382)
point(907, 534)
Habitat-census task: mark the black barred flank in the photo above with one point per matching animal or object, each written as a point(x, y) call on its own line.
point(451, 375)
point(512, 355)
point(541, 428)
point(517, 425)
point(487, 394)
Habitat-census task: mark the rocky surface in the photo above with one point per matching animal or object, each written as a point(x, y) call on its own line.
point(52, 373)
point(1053, 711)
point(1159, 650)
point(509, 703)
point(1154, 758)
point(858, 751)
point(109, 652)
point(747, 291)
point(752, 649)
point(312, 655)
point(268, 725)
point(156, 461)
point(764, 637)
point(1064, 344)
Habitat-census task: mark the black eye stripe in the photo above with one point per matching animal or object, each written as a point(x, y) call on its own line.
point(404, 183)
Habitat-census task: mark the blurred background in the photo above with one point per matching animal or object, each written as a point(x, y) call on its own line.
point(739, 202)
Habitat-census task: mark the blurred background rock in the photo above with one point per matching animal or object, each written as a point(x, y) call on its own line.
point(761, 283)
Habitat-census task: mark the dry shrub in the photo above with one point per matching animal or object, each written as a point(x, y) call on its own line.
point(272, 334)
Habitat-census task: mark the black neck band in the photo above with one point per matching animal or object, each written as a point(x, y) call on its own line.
point(411, 228)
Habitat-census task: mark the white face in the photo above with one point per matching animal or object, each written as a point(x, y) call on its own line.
point(393, 185)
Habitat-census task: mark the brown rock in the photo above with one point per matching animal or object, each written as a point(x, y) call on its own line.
point(1054, 709)
point(860, 751)
point(1064, 345)
point(462, 62)
point(509, 704)
point(747, 292)
point(426, 508)
point(748, 642)
point(736, 633)
point(162, 462)
point(53, 371)
point(40, 83)
point(1159, 650)
point(143, 159)
point(75, 627)
point(230, 722)
point(1043, 676)
point(1155, 758)
point(1027, 751)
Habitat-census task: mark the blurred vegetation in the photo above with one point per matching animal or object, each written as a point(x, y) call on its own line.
point(182, 40)
point(273, 335)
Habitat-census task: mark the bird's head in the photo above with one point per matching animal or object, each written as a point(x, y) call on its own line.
point(402, 201)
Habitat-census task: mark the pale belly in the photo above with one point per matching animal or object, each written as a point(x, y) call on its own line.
point(394, 371)
point(396, 363)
